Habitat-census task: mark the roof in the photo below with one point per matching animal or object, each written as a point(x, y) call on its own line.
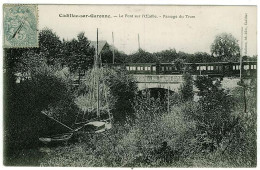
point(101, 45)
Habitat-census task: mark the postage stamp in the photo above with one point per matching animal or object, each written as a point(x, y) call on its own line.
point(20, 25)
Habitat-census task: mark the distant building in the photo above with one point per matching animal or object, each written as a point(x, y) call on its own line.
point(102, 45)
point(104, 50)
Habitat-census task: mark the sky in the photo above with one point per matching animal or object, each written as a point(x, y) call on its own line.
point(185, 28)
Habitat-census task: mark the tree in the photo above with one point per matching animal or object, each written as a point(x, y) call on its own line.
point(225, 47)
point(79, 54)
point(107, 55)
point(166, 56)
point(50, 46)
point(200, 57)
point(142, 56)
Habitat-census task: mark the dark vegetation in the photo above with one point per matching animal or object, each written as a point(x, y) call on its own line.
point(213, 132)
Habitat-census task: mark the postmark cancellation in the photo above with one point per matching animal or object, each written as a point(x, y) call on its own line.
point(20, 24)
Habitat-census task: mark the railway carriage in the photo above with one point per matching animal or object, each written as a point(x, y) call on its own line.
point(168, 68)
point(223, 69)
point(142, 68)
point(213, 69)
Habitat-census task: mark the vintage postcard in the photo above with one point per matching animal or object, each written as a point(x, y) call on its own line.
point(130, 85)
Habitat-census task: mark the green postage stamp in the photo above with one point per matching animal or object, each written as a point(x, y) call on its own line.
point(20, 26)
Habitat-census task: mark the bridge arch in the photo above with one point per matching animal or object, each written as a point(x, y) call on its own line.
point(157, 93)
point(172, 87)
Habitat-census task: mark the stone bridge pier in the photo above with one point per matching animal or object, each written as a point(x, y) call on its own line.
point(171, 82)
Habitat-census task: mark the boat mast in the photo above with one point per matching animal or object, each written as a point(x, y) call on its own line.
point(241, 54)
point(97, 76)
point(138, 42)
point(168, 99)
point(113, 48)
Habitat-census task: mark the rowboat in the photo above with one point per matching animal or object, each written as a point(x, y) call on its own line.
point(56, 138)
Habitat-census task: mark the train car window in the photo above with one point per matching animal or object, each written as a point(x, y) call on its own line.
point(246, 67)
point(141, 68)
point(134, 68)
point(198, 67)
point(170, 68)
point(127, 67)
point(149, 68)
point(210, 67)
point(138, 68)
point(145, 68)
point(234, 67)
point(203, 68)
point(154, 68)
point(162, 68)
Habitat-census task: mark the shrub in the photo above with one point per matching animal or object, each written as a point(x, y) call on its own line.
point(117, 92)
point(214, 118)
point(123, 89)
point(186, 89)
point(44, 91)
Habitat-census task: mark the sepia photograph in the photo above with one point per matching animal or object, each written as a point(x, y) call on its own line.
point(131, 86)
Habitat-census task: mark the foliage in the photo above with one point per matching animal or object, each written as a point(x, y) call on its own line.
point(50, 46)
point(186, 89)
point(200, 57)
point(206, 84)
point(123, 89)
point(225, 47)
point(139, 144)
point(87, 93)
point(213, 117)
point(26, 100)
point(117, 92)
point(107, 55)
point(166, 56)
point(78, 53)
point(141, 56)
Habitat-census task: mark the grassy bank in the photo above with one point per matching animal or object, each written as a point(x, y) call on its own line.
point(139, 144)
point(157, 138)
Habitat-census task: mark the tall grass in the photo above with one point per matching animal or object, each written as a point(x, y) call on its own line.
point(139, 143)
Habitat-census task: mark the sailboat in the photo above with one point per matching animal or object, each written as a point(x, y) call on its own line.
point(99, 117)
point(57, 131)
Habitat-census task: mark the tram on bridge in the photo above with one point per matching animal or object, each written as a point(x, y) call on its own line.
point(213, 69)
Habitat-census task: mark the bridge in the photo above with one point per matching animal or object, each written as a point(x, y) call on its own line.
point(173, 82)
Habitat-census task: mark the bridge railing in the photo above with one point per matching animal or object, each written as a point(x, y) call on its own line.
point(159, 78)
